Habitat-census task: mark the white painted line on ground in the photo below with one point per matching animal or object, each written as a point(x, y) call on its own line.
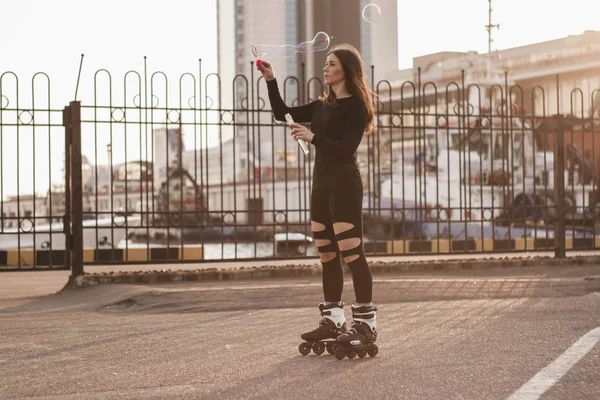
point(548, 376)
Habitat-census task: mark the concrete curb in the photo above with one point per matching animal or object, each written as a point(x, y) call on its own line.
point(312, 270)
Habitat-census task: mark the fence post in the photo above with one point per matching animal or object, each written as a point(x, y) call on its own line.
point(559, 188)
point(76, 190)
point(67, 194)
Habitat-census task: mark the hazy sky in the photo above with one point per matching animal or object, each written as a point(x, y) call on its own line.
point(439, 25)
point(50, 36)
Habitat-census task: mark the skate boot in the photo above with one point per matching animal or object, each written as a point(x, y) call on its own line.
point(331, 325)
point(360, 338)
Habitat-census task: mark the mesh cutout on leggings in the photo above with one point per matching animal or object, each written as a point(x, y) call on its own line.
point(350, 258)
point(317, 226)
point(342, 227)
point(329, 251)
point(348, 240)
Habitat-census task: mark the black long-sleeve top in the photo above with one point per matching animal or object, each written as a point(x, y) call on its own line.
point(338, 131)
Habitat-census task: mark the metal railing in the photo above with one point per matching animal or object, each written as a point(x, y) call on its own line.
point(32, 143)
point(200, 171)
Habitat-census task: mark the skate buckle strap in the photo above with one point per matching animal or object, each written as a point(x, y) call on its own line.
point(363, 317)
point(323, 306)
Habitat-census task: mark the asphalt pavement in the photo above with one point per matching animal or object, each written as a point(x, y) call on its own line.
point(518, 333)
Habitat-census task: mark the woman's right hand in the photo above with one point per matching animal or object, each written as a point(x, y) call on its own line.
point(266, 69)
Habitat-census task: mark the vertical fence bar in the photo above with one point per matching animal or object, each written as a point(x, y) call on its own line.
point(67, 216)
point(76, 190)
point(559, 188)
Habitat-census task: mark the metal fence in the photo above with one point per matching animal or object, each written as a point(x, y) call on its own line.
point(32, 144)
point(198, 170)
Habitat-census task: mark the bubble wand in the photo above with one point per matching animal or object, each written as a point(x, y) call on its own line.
point(255, 53)
point(301, 142)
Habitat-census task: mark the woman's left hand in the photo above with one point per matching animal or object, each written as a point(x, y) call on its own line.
point(301, 132)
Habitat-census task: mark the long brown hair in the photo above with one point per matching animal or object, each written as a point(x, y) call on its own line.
point(356, 82)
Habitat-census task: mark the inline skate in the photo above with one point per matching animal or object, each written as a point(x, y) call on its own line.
point(323, 337)
point(360, 338)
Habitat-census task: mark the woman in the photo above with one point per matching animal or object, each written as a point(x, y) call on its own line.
point(338, 120)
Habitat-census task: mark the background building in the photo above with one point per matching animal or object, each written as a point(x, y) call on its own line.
point(167, 144)
point(241, 24)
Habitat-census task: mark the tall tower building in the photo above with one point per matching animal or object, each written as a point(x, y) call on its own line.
point(242, 23)
point(246, 22)
point(342, 20)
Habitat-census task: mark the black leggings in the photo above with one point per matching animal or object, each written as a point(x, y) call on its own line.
point(341, 207)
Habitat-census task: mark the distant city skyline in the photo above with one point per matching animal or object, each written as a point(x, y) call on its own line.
point(117, 35)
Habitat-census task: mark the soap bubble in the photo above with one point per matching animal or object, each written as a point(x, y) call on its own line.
point(371, 13)
point(320, 42)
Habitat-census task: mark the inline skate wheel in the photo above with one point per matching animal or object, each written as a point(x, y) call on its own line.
point(362, 353)
point(331, 346)
point(373, 350)
point(351, 354)
point(339, 353)
point(304, 348)
point(318, 348)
